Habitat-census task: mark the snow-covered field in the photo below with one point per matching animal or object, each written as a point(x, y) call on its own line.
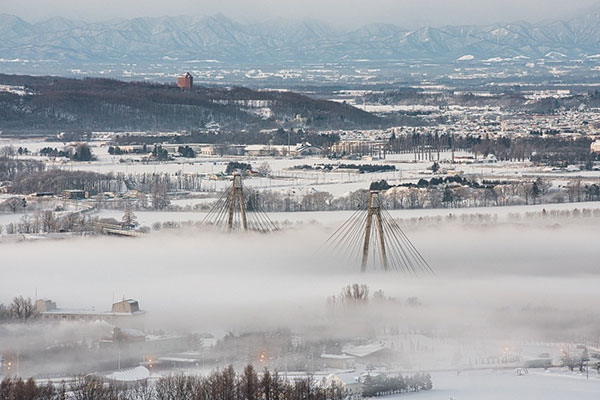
point(331, 218)
point(408, 169)
point(507, 385)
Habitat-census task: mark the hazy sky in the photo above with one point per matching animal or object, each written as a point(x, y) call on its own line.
point(343, 12)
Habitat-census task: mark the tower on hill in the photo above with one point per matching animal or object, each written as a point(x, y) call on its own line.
point(186, 81)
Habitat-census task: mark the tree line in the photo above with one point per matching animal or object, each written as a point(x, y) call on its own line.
point(11, 167)
point(452, 192)
point(223, 384)
point(79, 152)
point(49, 222)
point(278, 136)
point(547, 150)
point(382, 385)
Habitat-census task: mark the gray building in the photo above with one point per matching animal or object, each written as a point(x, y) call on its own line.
point(124, 314)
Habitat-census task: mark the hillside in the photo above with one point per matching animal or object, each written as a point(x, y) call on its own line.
point(46, 105)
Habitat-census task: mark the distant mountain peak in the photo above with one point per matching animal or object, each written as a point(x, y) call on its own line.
point(219, 37)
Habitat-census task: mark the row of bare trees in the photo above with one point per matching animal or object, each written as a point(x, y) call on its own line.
point(10, 167)
point(49, 222)
point(547, 150)
point(357, 295)
point(223, 384)
point(452, 195)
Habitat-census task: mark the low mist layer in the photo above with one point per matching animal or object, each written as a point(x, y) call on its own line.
point(489, 279)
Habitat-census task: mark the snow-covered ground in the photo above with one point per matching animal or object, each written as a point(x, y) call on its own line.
point(331, 218)
point(507, 385)
point(408, 169)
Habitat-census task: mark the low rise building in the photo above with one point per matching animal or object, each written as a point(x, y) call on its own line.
point(207, 150)
point(124, 314)
point(75, 194)
point(338, 361)
point(372, 354)
point(349, 382)
point(297, 150)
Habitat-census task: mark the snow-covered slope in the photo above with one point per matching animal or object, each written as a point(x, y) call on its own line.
point(220, 38)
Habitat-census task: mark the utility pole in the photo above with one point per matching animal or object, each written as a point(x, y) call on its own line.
point(374, 210)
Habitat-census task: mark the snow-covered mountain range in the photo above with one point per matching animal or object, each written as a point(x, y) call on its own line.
point(219, 38)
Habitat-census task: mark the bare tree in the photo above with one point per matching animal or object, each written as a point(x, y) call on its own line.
point(355, 294)
point(15, 203)
point(88, 388)
point(7, 151)
point(25, 225)
point(4, 312)
point(174, 387)
point(22, 309)
point(160, 199)
point(574, 190)
point(264, 169)
point(142, 200)
point(11, 229)
point(143, 391)
point(48, 221)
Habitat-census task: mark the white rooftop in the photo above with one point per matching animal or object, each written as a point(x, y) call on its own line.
point(130, 375)
point(337, 356)
point(362, 351)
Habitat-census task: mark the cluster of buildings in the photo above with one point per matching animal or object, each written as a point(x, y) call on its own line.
point(488, 120)
point(117, 339)
point(254, 150)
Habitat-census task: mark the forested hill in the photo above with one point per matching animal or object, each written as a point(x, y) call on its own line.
point(45, 105)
